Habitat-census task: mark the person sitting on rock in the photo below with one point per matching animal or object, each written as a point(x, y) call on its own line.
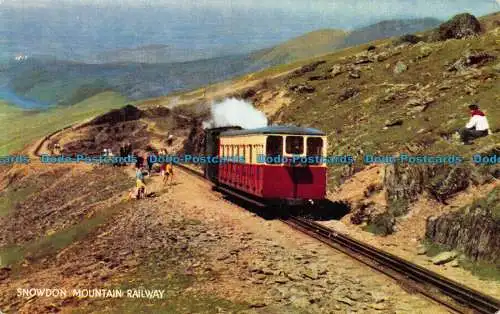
point(476, 127)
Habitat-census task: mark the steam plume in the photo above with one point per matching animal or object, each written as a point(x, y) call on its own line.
point(235, 112)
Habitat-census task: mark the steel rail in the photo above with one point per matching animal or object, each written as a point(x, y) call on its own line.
point(449, 293)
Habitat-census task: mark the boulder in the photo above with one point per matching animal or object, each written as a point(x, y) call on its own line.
point(347, 93)
point(394, 122)
point(355, 74)
point(336, 70)
point(302, 88)
point(308, 68)
point(320, 77)
point(400, 67)
point(460, 26)
point(443, 258)
point(382, 224)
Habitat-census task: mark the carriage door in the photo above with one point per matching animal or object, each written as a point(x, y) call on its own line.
point(295, 146)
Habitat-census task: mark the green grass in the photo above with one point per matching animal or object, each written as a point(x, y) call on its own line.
point(21, 127)
point(491, 202)
point(481, 269)
point(485, 271)
point(10, 198)
point(53, 243)
point(305, 46)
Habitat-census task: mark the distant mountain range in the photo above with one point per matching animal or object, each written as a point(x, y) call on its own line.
point(156, 70)
point(149, 54)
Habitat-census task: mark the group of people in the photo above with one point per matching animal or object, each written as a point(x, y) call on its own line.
point(166, 172)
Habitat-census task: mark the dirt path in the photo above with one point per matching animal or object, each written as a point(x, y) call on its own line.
point(266, 263)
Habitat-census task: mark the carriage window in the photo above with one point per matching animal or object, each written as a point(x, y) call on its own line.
point(274, 146)
point(294, 145)
point(314, 146)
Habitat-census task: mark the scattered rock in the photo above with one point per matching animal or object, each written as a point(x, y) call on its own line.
point(308, 68)
point(381, 57)
point(378, 306)
point(471, 59)
point(336, 70)
point(348, 93)
point(383, 224)
point(4, 272)
point(454, 263)
point(303, 89)
point(400, 67)
point(445, 85)
point(301, 302)
point(395, 122)
point(345, 301)
point(320, 77)
point(443, 258)
point(293, 277)
point(310, 273)
point(425, 51)
point(355, 74)
point(363, 60)
point(422, 250)
point(281, 279)
point(257, 304)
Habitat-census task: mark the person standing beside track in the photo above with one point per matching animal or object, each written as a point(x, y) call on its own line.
point(139, 183)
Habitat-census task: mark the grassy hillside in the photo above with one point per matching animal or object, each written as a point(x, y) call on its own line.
point(21, 127)
point(310, 44)
point(365, 106)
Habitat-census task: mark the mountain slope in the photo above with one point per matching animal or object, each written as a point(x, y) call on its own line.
point(310, 44)
point(389, 28)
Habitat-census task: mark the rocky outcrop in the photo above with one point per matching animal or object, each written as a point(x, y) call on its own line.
point(195, 141)
point(302, 89)
point(127, 113)
point(471, 59)
point(404, 183)
point(474, 230)
point(460, 26)
point(308, 68)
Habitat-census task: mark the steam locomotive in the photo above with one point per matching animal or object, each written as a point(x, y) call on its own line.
point(279, 165)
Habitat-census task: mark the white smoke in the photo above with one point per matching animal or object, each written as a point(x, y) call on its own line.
point(235, 112)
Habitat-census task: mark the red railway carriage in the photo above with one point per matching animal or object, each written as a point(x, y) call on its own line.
point(282, 164)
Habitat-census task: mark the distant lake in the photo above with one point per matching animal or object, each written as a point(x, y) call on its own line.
point(12, 98)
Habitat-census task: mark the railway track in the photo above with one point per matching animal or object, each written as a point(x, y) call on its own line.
point(450, 294)
point(453, 295)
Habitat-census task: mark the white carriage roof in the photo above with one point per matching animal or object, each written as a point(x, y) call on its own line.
point(276, 129)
